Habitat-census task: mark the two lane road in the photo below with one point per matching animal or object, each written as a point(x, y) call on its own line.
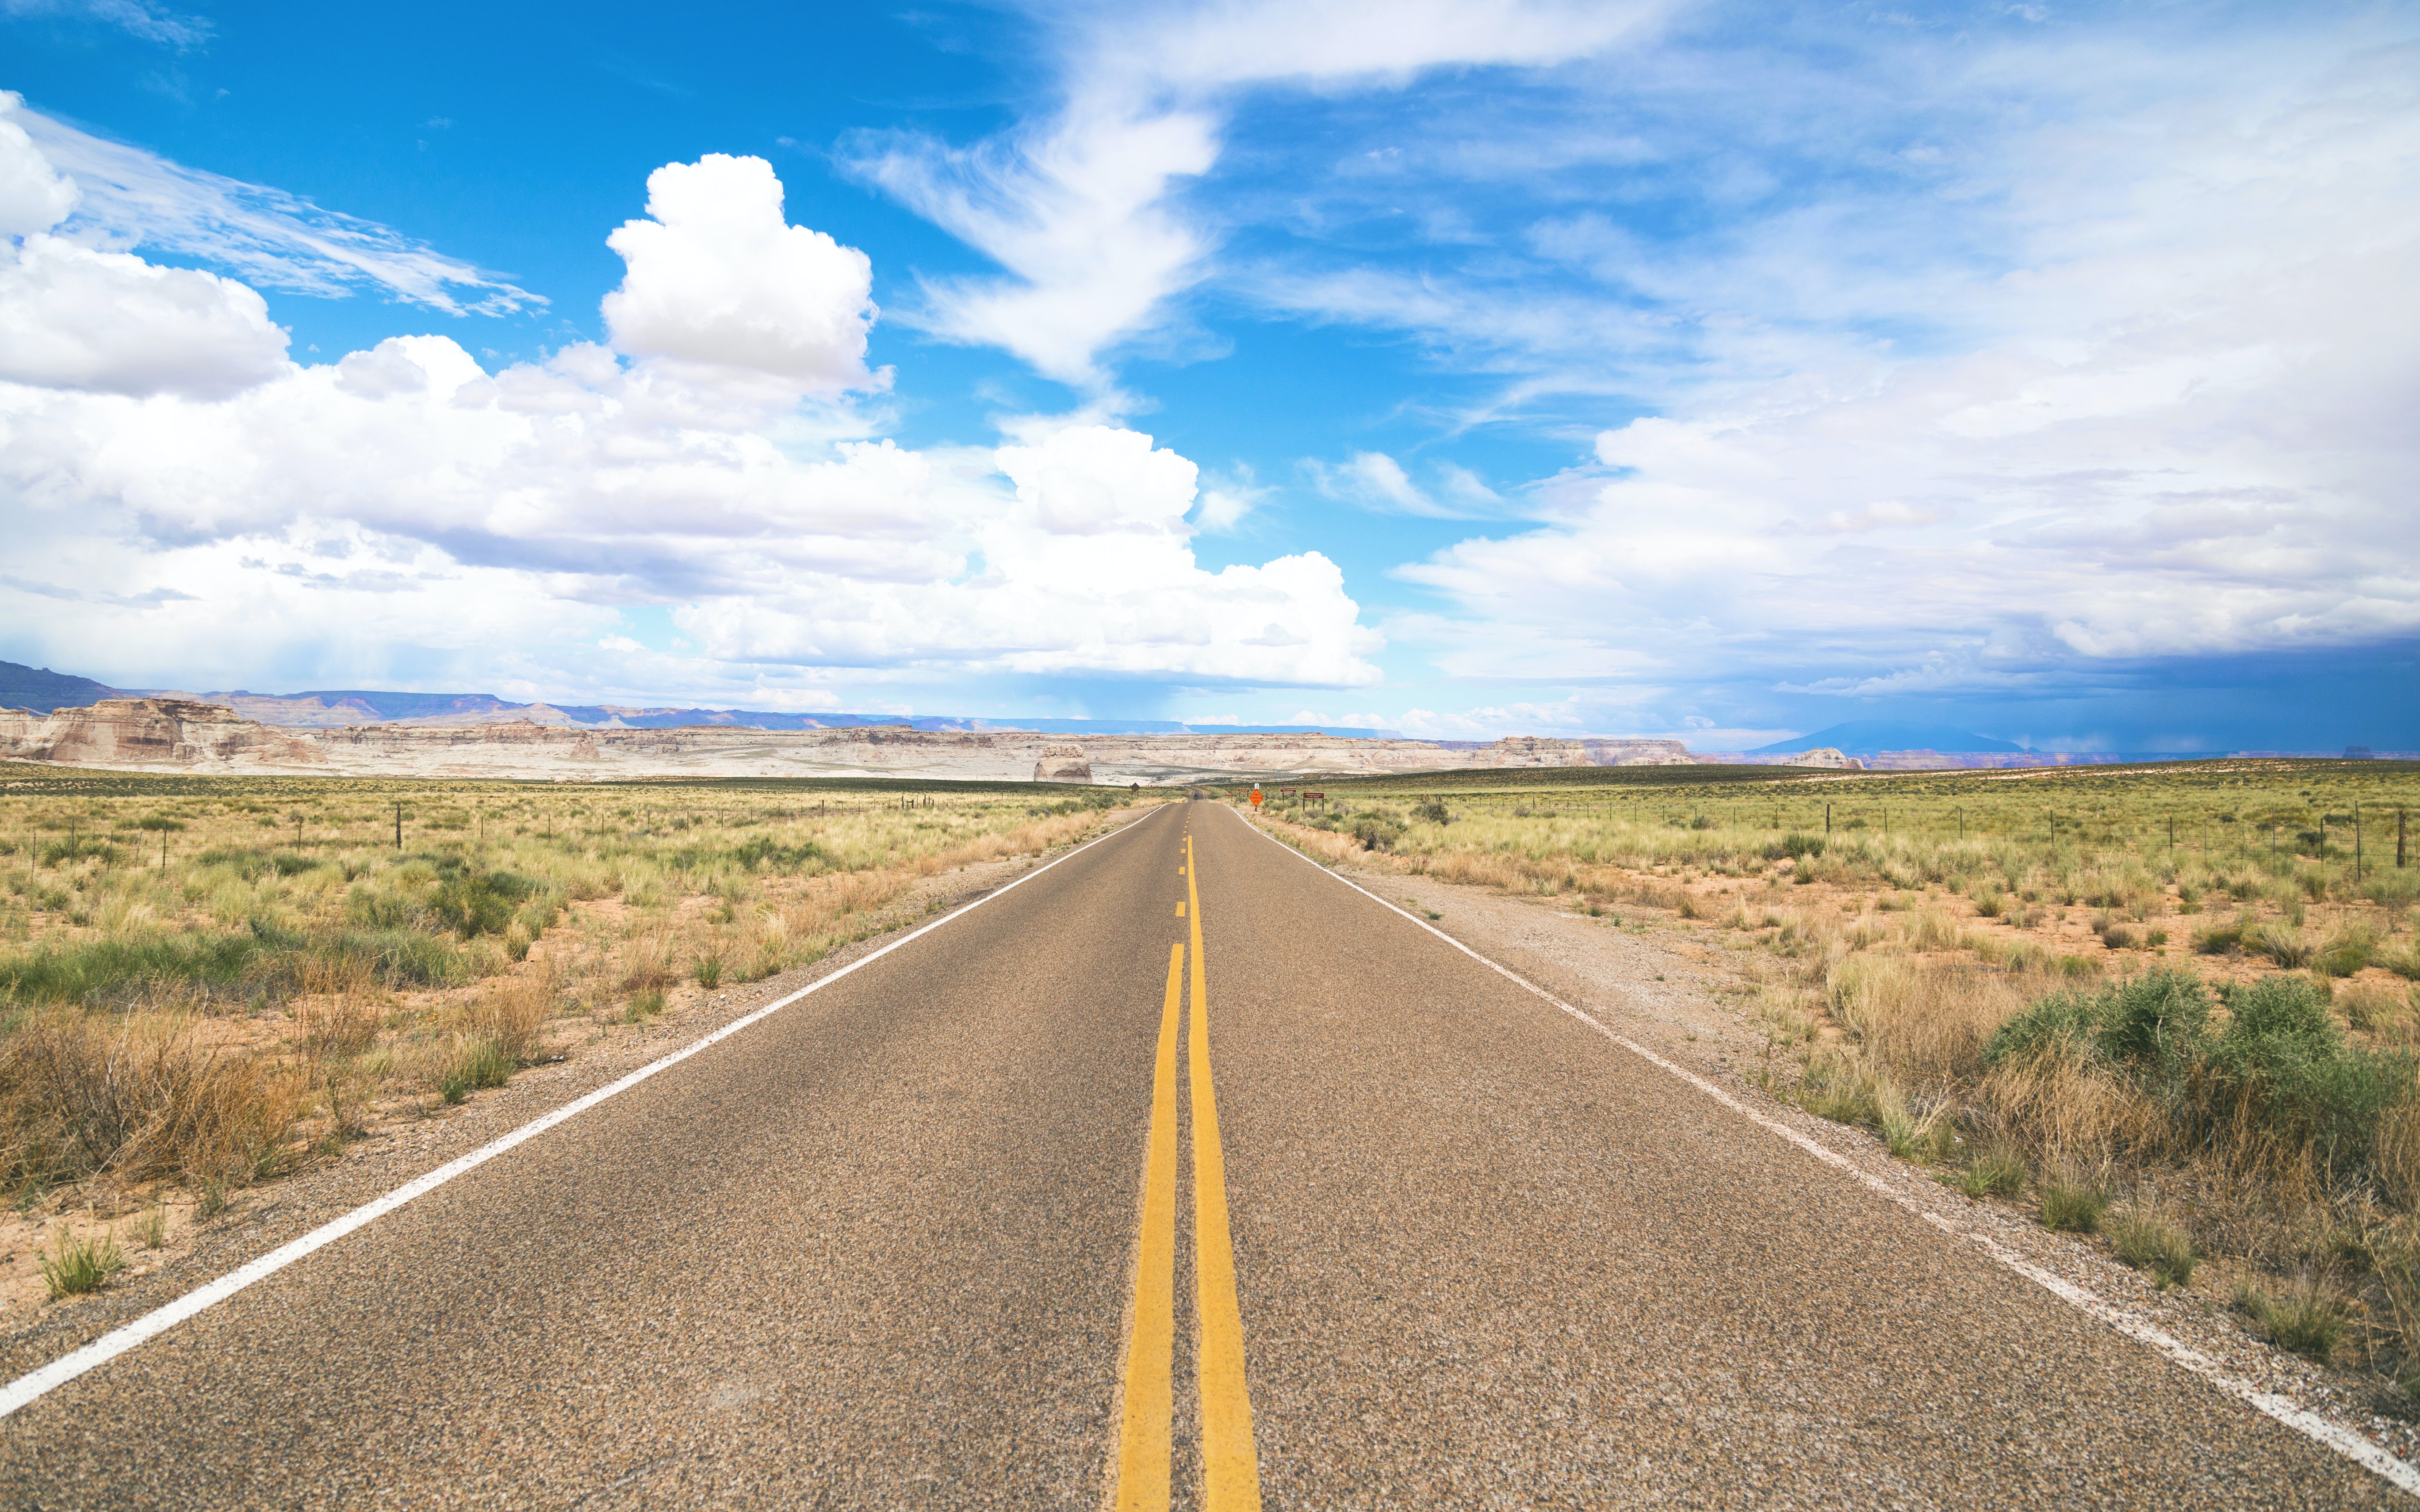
point(949, 1233)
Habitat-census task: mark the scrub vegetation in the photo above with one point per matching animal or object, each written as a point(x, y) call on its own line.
point(2169, 1006)
point(205, 983)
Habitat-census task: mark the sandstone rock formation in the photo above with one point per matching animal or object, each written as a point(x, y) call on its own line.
point(121, 733)
point(1539, 751)
point(1639, 753)
point(1062, 764)
point(1827, 756)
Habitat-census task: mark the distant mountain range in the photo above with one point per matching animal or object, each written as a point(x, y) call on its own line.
point(1872, 737)
point(42, 690)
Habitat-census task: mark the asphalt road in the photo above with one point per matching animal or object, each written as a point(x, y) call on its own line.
point(911, 1243)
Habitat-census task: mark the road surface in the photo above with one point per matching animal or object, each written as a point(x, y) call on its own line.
point(939, 1236)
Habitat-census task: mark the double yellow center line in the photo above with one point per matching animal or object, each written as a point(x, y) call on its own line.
point(1231, 1473)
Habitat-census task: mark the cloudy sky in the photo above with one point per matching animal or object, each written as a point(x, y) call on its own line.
point(1454, 367)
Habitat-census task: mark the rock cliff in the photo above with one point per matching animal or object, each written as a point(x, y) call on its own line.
point(138, 733)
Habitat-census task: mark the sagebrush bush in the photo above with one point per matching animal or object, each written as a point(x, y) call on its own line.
point(2283, 1063)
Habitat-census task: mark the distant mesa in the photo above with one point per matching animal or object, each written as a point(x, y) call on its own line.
point(1873, 737)
point(44, 691)
point(1829, 756)
point(156, 733)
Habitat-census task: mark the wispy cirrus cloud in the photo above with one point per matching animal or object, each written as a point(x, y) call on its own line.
point(136, 18)
point(128, 199)
point(1082, 205)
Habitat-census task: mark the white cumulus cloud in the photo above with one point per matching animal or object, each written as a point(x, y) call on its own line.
point(34, 195)
point(717, 279)
point(405, 503)
point(75, 318)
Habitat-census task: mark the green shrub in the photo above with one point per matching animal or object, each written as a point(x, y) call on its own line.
point(2154, 1027)
point(82, 848)
point(762, 852)
point(1842, 1091)
point(2059, 1024)
point(2280, 943)
point(473, 903)
point(2344, 953)
point(1377, 829)
point(252, 865)
point(385, 908)
point(2157, 1022)
point(1432, 809)
point(2282, 1060)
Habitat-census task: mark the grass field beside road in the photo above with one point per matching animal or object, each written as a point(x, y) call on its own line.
point(206, 982)
point(2170, 1005)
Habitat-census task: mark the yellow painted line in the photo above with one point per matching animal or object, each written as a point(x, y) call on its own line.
point(1180, 910)
point(1149, 1401)
point(1231, 1468)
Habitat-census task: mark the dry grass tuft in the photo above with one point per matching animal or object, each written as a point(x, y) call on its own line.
point(2375, 1007)
point(138, 1099)
point(2397, 1154)
point(511, 1012)
point(2306, 1316)
point(2149, 1242)
point(1926, 1022)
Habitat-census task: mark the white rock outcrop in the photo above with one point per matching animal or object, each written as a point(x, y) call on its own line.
point(1062, 764)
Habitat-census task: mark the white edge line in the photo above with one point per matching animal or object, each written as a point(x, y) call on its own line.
point(36, 1383)
point(2402, 1472)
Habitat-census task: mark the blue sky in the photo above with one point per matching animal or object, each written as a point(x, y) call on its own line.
point(1716, 370)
